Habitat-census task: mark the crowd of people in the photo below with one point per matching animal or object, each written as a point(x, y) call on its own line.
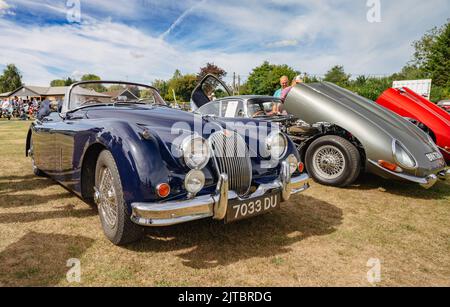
point(16, 107)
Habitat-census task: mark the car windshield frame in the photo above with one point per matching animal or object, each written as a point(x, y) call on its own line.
point(66, 108)
point(260, 102)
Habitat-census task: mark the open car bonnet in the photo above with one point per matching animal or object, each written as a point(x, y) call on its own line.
point(374, 126)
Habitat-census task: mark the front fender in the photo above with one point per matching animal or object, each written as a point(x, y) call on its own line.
point(139, 161)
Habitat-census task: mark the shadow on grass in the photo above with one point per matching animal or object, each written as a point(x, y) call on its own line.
point(24, 191)
point(13, 184)
point(28, 200)
point(212, 244)
point(40, 259)
point(29, 217)
point(370, 182)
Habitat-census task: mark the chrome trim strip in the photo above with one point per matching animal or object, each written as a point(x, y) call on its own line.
point(426, 182)
point(221, 198)
point(215, 206)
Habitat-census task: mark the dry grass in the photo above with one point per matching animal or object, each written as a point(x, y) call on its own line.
point(322, 238)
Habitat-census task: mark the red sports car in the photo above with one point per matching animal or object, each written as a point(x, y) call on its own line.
point(427, 115)
point(445, 104)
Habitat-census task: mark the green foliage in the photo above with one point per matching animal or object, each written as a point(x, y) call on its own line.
point(70, 81)
point(58, 83)
point(183, 85)
point(99, 88)
point(437, 63)
point(431, 59)
point(369, 87)
point(439, 93)
point(63, 82)
point(162, 86)
point(310, 79)
point(11, 79)
point(265, 79)
point(90, 77)
point(337, 75)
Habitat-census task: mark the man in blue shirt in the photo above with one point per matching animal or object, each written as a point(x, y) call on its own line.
point(284, 82)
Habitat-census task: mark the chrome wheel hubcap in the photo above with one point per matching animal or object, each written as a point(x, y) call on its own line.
point(329, 162)
point(106, 198)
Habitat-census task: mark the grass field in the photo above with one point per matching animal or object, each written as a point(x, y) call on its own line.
point(324, 237)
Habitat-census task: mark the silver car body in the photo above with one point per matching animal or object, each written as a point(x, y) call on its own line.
point(375, 127)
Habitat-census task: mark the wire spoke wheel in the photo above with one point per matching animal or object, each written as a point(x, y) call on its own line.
point(107, 204)
point(329, 162)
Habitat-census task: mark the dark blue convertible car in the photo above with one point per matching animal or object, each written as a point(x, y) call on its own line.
point(119, 146)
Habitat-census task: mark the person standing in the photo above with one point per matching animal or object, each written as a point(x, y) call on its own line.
point(284, 82)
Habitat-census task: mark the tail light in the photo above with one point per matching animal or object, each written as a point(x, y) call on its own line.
point(301, 167)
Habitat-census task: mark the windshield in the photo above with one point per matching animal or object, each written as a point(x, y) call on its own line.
point(262, 107)
point(95, 93)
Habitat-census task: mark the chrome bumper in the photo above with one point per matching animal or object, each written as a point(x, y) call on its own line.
point(426, 182)
point(215, 206)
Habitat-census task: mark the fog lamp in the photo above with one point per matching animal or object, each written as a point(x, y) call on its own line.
point(194, 181)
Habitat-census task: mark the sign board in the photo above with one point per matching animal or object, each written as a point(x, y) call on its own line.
point(421, 87)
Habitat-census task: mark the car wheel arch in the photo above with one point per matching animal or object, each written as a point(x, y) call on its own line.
point(341, 132)
point(88, 170)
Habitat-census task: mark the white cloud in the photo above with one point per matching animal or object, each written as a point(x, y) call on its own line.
point(283, 43)
point(5, 8)
point(4, 5)
point(330, 33)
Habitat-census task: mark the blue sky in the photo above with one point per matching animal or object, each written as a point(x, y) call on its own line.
point(143, 40)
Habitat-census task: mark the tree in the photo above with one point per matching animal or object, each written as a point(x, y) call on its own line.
point(96, 87)
point(437, 61)
point(183, 86)
point(11, 79)
point(265, 79)
point(63, 82)
point(337, 75)
point(162, 86)
point(90, 77)
point(431, 56)
point(70, 81)
point(211, 68)
point(58, 82)
point(410, 72)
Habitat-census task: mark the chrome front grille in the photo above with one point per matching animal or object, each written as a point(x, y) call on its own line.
point(231, 155)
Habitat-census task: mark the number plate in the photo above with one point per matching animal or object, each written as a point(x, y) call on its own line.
point(239, 210)
point(434, 156)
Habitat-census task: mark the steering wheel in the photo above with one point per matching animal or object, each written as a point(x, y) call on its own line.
point(259, 113)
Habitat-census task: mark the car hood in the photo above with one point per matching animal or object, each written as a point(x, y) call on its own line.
point(407, 103)
point(374, 126)
point(167, 124)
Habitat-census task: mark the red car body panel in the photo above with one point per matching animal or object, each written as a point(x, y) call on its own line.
point(407, 103)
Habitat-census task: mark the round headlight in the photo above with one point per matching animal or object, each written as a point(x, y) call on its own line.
point(196, 152)
point(293, 163)
point(403, 157)
point(194, 181)
point(276, 144)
